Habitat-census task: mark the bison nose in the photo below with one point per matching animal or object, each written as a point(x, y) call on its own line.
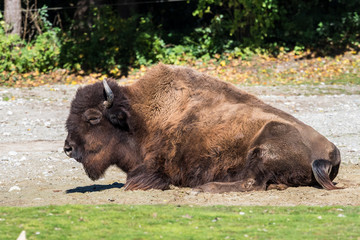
point(67, 149)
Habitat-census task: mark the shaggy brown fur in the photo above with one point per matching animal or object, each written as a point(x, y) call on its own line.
point(178, 126)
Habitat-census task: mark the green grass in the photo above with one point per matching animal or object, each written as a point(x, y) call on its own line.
point(344, 79)
point(179, 222)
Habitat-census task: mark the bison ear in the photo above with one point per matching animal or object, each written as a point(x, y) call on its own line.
point(93, 116)
point(120, 119)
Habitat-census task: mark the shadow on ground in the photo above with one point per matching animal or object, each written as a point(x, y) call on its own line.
point(95, 188)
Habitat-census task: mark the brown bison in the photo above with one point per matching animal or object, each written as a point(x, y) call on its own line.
point(181, 127)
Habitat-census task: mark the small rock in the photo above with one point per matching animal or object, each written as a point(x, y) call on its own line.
point(194, 192)
point(9, 113)
point(354, 160)
point(14, 188)
point(187, 216)
point(12, 153)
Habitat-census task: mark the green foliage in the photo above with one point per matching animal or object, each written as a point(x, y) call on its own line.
point(323, 26)
point(211, 39)
point(104, 41)
point(111, 41)
point(42, 54)
point(247, 21)
point(180, 222)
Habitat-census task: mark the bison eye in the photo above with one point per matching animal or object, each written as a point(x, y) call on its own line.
point(94, 121)
point(93, 116)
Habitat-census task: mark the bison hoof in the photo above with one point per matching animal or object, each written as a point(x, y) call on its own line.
point(248, 184)
point(196, 191)
point(277, 187)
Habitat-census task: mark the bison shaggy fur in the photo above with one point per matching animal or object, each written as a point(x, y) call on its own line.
point(176, 126)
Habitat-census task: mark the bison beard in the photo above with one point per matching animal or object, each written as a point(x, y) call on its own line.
point(96, 162)
point(177, 126)
point(95, 169)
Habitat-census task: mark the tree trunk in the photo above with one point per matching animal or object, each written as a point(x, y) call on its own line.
point(12, 16)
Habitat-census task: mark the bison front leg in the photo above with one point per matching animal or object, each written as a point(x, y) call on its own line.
point(249, 184)
point(142, 179)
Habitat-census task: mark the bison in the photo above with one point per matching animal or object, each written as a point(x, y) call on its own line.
point(176, 126)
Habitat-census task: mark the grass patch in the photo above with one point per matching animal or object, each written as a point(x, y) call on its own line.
point(346, 78)
point(179, 222)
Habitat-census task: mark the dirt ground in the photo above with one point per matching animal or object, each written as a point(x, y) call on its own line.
point(34, 171)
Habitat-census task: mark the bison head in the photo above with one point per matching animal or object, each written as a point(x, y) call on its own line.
point(97, 127)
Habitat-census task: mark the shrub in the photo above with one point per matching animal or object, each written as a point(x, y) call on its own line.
point(322, 26)
point(111, 41)
point(41, 54)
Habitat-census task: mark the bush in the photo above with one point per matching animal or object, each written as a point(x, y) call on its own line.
point(41, 54)
point(111, 42)
point(322, 26)
point(103, 41)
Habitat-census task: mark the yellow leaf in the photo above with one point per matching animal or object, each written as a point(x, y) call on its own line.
point(223, 63)
point(114, 71)
point(142, 68)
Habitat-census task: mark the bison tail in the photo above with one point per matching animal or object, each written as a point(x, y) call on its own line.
point(321, 169)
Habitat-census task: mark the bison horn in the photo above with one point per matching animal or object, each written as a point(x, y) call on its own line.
point(109, 95)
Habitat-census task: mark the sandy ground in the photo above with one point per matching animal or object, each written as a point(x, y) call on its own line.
point(34, 170)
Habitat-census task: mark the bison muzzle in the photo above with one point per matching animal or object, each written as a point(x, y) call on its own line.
point(176, 126)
